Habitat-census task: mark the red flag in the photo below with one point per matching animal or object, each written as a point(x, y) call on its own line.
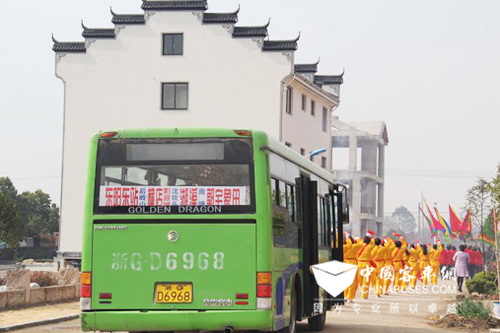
point(466, 226)
point(371, 232)
point(455, 222)
point(435, 222)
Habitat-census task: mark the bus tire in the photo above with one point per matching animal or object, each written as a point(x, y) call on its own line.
point(293, 313)
point(317, 323)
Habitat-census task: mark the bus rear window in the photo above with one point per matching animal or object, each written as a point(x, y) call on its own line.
point(160, 176)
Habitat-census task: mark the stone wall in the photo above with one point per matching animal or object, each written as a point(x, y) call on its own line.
point(20, 294)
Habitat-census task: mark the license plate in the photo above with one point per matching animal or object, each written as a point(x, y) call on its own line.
point(166, 292)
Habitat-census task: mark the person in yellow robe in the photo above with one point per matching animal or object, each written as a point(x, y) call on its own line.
point(388, 268)
point(413, 263)
point(434, 261)
point(364, 265)
point(378, 256)
point(397, 262)
point(351, 249)
point(423, 256)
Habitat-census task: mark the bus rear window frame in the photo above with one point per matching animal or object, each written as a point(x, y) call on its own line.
point(123, 210)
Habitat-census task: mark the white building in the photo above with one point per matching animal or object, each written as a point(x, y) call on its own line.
point(365, 172)
point(176, 65)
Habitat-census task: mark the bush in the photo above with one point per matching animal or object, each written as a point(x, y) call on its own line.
point(472, 309)
point(37, 252)
point(44, 279)
point(483, 283)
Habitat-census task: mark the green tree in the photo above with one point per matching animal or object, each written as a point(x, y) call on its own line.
point(494, 188)
point(7, 188)
point(478, 199)
point(38, 214)
point(10, 223)
point(405, 219)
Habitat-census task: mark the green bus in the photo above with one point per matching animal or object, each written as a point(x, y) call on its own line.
point(205, 229)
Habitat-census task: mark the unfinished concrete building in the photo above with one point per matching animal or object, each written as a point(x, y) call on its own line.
point(364, 175)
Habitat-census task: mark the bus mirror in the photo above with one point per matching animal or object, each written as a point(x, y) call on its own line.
point(345, 214)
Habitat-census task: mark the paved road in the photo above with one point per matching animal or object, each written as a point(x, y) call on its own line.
point(388, 314)
point(73, 326)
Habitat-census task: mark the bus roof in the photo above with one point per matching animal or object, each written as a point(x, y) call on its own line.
point(273, 144)
point(293, 156)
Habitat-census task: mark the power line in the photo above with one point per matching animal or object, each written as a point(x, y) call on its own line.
point(7, 173)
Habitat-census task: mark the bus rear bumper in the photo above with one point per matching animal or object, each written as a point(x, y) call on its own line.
point(176, 320)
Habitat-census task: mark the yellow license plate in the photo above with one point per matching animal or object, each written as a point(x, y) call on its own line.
point(173, 292)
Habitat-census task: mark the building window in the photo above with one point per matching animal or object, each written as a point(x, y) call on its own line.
point(323, 162)
point(325, 119)
point(174, 96)
point(302, 151)
point(289, 100)
point(304, 101)
point(173, 44)
point(288, 144)
point(313, 106)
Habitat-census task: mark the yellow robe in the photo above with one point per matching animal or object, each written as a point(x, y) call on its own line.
point(378, 256)
point(397, 262)
point(434, 262)
point(350, 257)
point(389, 247)
point(364, 257)
point(424, 263)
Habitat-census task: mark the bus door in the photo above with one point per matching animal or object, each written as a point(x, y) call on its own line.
point(339, 216)
point(310, 242)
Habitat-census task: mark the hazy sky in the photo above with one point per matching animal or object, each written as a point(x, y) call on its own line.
point(428, 68)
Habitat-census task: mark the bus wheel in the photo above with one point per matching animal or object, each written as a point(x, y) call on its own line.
point(293, 313)
point(317, 323)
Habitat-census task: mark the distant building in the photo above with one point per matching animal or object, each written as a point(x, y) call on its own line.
point(176, 65)
point(366, 142)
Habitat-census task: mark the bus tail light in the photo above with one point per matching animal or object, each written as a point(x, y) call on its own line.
point(241, 296)
point(243, 133)
point(107, 135)
point(264, 290)
point(85, 290)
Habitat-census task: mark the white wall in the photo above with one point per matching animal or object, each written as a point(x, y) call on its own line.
point(304, 130)
point(117, 84)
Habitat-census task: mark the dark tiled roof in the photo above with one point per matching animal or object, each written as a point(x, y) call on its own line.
point(251, 31)
point(174, 5)
point(280, 45)
point(97, 33)
point(68, 47)
point(127, 19)
point(220, 18)
point(328, 79)
point(306, 68)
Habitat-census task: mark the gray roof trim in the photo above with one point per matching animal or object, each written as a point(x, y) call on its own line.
point(306, 68)
point(280, 45)
point(251, 31)
point(68, 47)
point(231, 18)
point(328, 79)
point(97, 33)
point(174, 5)
point(127, 18)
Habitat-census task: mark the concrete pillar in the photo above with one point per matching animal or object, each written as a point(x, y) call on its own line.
point(353, 151)
point(20, 280)
point(356, 205)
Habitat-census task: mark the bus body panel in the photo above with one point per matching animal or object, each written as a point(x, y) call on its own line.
point(217, 259)
point(176, 320)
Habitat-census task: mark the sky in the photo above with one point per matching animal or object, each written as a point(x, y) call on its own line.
point(428, 68)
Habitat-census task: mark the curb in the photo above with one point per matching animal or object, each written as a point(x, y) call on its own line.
point(38, 323)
